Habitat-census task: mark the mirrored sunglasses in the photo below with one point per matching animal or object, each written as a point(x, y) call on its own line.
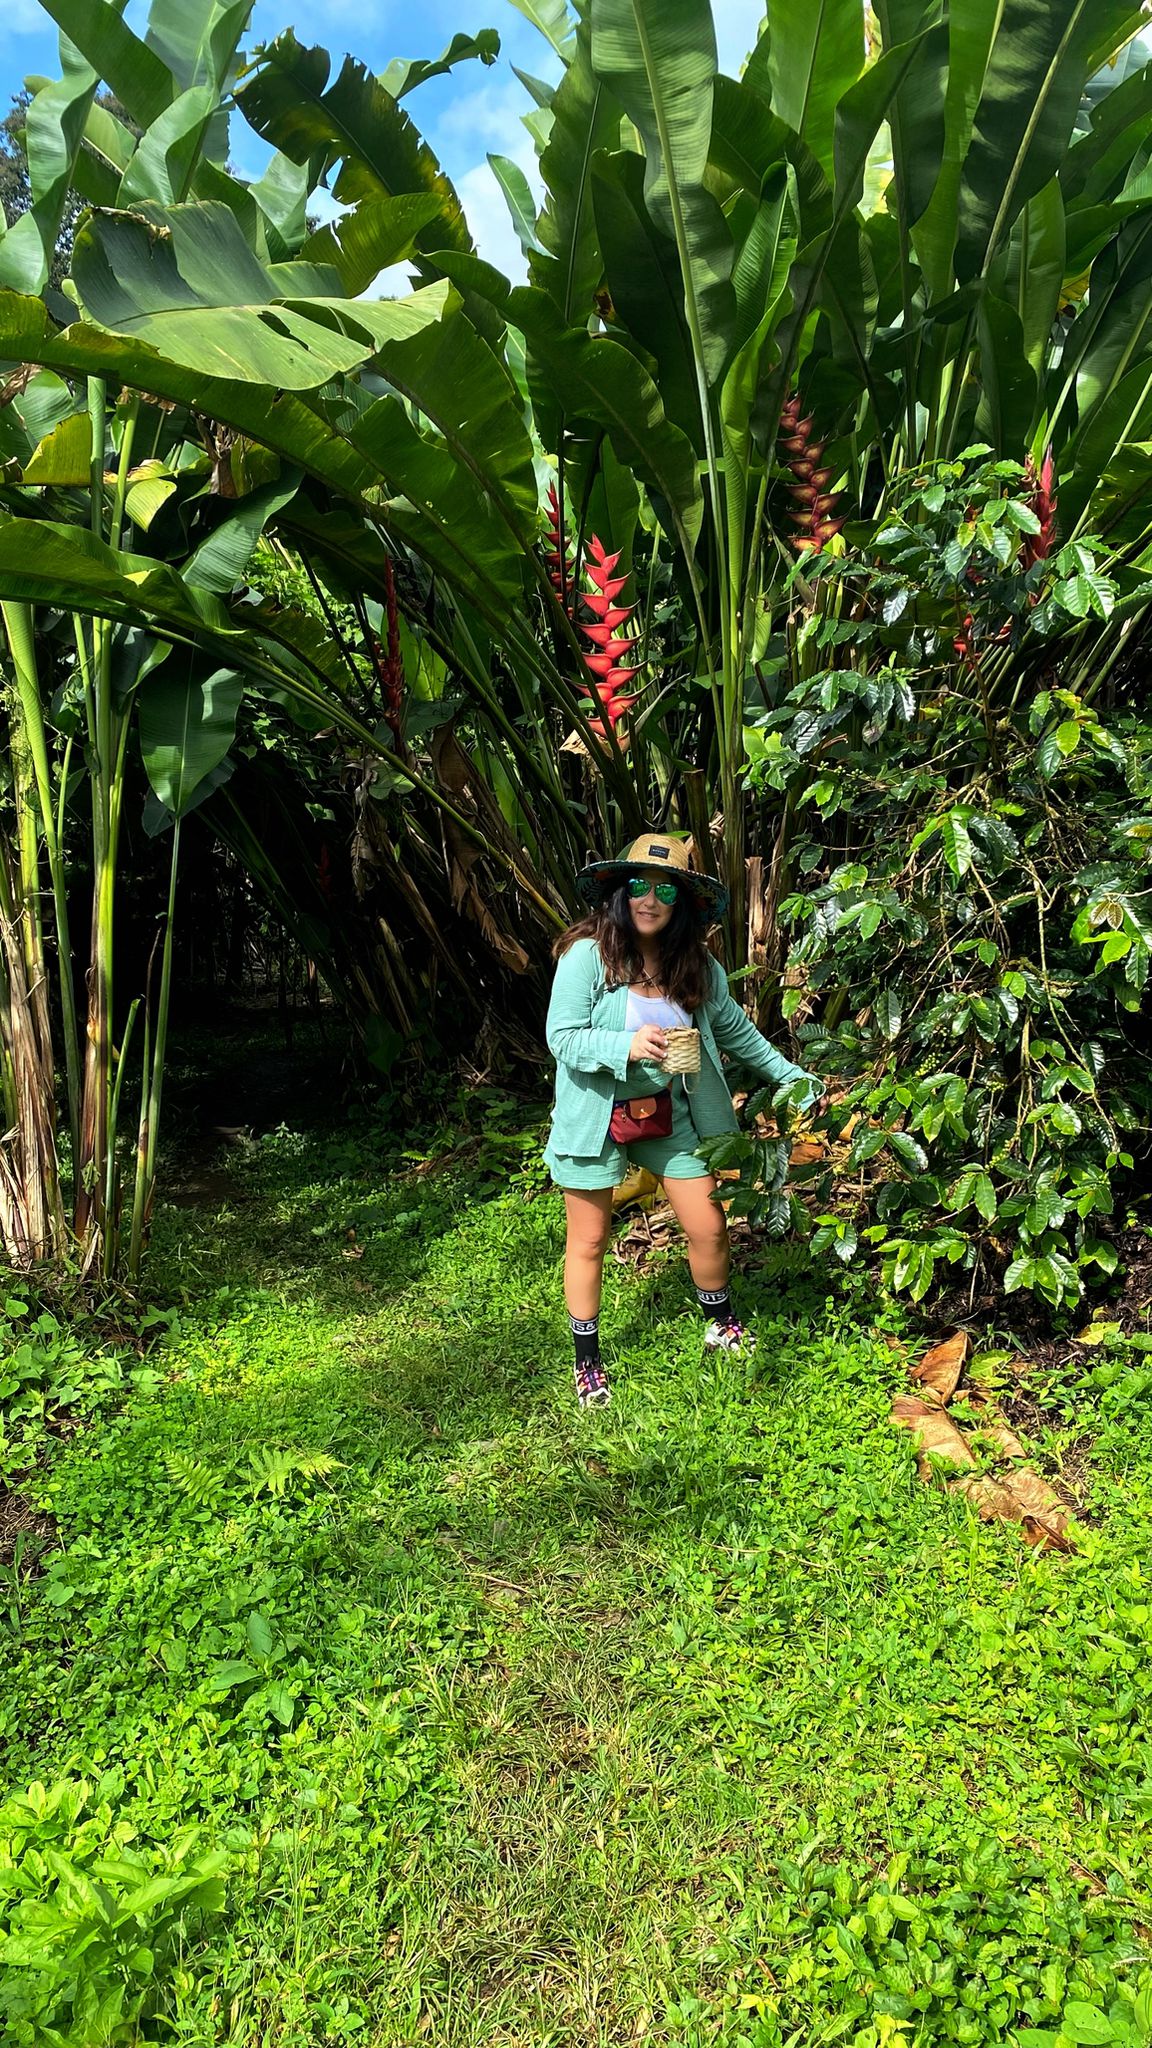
point(664, 892)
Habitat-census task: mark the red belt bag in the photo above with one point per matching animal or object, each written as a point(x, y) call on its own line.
point(648, 1116)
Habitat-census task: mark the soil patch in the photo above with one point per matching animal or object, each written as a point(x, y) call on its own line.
point(25, 1532)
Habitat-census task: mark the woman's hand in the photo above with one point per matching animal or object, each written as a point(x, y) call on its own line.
point(650, 1043)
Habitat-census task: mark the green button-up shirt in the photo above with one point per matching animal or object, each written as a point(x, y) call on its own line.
point(589, 1040)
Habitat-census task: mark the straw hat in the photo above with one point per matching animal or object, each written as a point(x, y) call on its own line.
point(653, 851)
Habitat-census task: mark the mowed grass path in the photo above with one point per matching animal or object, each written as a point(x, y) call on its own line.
point(701, 1721)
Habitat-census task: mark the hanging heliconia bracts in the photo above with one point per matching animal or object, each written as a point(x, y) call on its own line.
point(390, 665)
point(1040, 497)
point(559, 568)
point(814, 506)
point(607, 664)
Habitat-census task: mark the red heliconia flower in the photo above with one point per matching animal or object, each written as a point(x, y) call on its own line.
point(602, 600)
point(813, 504)
point(559, 568)
point(964, 644)
point(609, 660)
point(1041, 500)
point(605, 629)
point(607, 664)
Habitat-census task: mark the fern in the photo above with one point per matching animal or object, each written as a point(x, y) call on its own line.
point(782, 1261)
point(272, 1470)
point(193, 1478)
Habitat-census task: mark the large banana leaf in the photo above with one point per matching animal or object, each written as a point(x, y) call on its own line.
point(165, 161)
point(552, 19)
point(659, 58)
point(278, 420)
point(585, 120)
point(644, 282)
point(1117, 329)
point(404, 74)
point(139, 78)
point(1123, 418)
point(815, 51)
point(184, 281)
point(1007, 402)
point(197, 39)
point(835, 268)
point(596, 379)
point(374, 457)
point(355, 122)
point(1096, 167)
point(457, 382)
point(55, 125)
point(67, 568)
point(220, 559)
point(972, 26)
point(1037, 67)
point(915, 119)
point(187, 724)
point(63, 457)
point(369, 239)
point(1037, 269)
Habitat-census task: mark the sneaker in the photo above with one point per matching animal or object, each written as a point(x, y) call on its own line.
point(730, 1337)
point(592, 1389)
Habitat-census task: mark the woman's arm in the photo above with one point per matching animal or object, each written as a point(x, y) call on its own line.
point(573, 1040)
point(735, 1033)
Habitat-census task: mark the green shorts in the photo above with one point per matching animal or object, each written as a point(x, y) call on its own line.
point(671, 1158)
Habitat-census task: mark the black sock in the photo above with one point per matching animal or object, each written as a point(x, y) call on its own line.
point(586, 1337)
point(716, 1303)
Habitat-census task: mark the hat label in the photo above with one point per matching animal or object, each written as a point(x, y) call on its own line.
point(658, 853)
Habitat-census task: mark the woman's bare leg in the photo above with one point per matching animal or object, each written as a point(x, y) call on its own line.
point(589, 1212)
point(706, 1228)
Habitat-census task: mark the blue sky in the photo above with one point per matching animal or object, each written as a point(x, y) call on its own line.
point(465, 116)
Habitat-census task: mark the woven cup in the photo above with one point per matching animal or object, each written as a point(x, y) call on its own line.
point(683, 1054)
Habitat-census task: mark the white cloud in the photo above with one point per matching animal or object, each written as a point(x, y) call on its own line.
point(486, 211)
point(482, 120)
point(487, 117)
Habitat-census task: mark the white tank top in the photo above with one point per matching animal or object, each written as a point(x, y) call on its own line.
point(653, 1010)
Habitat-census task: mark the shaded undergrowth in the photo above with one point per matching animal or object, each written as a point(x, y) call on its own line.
point(698, 1722)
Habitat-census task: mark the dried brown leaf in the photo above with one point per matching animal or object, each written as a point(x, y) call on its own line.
point(805, 1152)
point(1020, 1497)
point(992, 1501)
point(1044, 1514)
point(936, 1437)
point(1006, 1440)
point(939, 1370)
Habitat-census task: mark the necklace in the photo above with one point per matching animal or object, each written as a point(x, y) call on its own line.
point(649, 981)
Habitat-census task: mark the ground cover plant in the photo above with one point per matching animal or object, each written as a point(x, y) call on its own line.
point(377, 1696)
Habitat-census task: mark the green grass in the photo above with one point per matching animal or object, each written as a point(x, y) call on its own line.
point(698, 1722)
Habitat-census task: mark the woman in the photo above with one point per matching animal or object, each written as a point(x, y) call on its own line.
point(636, 966)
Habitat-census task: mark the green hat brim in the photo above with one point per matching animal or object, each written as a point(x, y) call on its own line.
point(708, 894)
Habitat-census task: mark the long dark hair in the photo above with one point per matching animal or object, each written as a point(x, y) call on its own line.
point(685, 962)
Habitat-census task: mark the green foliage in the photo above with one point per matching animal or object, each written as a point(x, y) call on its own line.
point(92, 1925)
point(50, 1373)
point(985, 1953)
point(980, 947)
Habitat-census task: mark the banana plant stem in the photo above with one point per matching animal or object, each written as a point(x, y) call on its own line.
point(19, 628)
point(152, 1084)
